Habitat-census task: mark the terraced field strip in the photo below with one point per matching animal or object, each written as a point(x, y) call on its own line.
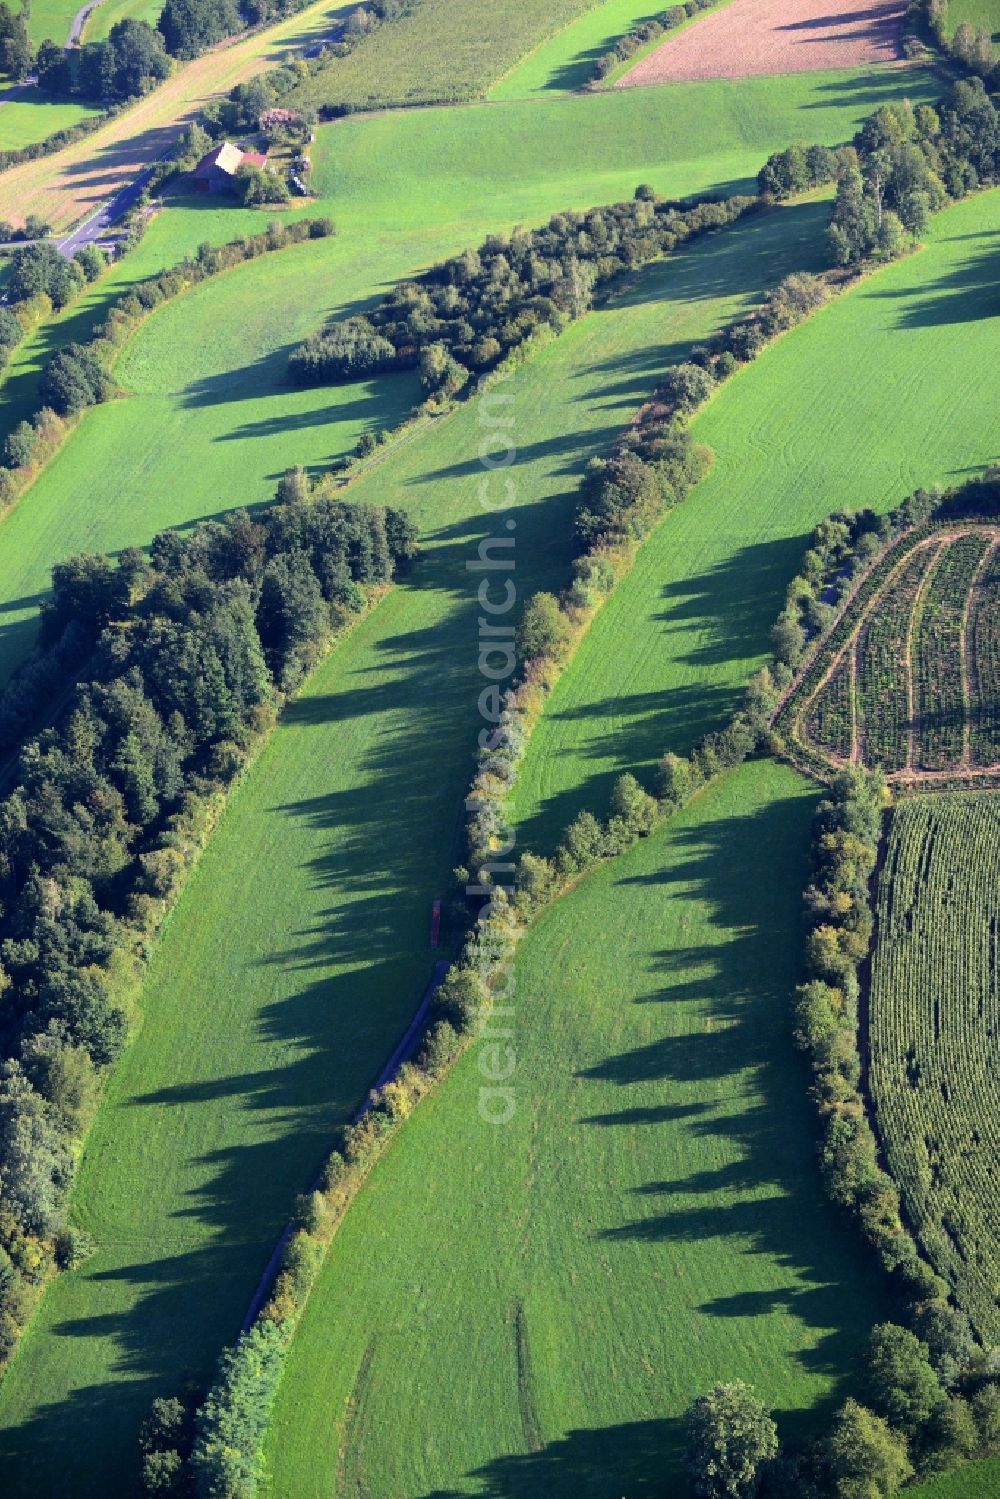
point(68, 185)
point(936, 660)
point(982, 640)
point(298, 951)
point(935, 1035)
point(653, 1207)
point(666, 658)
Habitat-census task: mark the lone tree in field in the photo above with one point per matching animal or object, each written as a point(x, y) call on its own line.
point(729, 1436)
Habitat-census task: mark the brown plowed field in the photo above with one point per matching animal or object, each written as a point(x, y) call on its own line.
point(752, 37)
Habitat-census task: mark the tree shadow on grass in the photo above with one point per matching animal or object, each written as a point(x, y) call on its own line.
point(724, 1068)
point(634, 1458)
point(966, 294)
point(726, 612)
point(345, 983)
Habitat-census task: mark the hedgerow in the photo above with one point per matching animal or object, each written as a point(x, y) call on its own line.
point(472, 311)
point(645, 32)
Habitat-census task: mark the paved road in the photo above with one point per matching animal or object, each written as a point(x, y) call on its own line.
point(15, 90)
point(109, 213)
point(79, 21)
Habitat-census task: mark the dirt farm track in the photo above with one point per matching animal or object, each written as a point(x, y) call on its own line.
point(755, 37)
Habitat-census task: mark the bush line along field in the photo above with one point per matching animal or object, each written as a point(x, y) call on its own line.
point(934, 1021)
point(366, 170)
point(397, 696)
point(651, 1215)
point(665, 658)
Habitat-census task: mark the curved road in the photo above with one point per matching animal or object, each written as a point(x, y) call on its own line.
point(79, 22)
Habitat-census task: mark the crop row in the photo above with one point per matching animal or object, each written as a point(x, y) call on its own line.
point(983, 653)
point(883, 677)
point(935, 1035)
point(936, 657)
point(830, 720)
point(787, 720)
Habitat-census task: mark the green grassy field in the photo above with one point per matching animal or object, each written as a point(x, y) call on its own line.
point(445, 50)
point(222, 1118)
point(934, 1008)
point(52, 18)
point(977, 13)
point(665, 659)
point(35, 115)
point(110, 12)
point(262, 1029)
point(977, 1481)
point(119, 480)
point(528, 1309)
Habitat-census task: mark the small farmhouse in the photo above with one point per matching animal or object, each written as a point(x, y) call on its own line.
point(216, 172)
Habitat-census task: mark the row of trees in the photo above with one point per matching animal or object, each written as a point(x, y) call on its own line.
point(39, 270)
point(970, 46)
point(912, 1422)
point(903, 165)
point(471, 311)
point(651, 468)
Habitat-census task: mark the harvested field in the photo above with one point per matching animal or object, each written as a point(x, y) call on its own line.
point(756, 37)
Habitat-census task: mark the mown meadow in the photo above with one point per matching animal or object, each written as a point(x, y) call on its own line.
point(299, 949)
point(666, 657)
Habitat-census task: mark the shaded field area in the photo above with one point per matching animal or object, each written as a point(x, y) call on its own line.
point(299, 950)
point(649, 1221)
point(812, 426)
point(775, 36)
point(66, 186)
point(934, 1026)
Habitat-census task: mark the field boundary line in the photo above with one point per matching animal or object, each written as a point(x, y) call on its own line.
point(986, 561)
point(913, 624)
